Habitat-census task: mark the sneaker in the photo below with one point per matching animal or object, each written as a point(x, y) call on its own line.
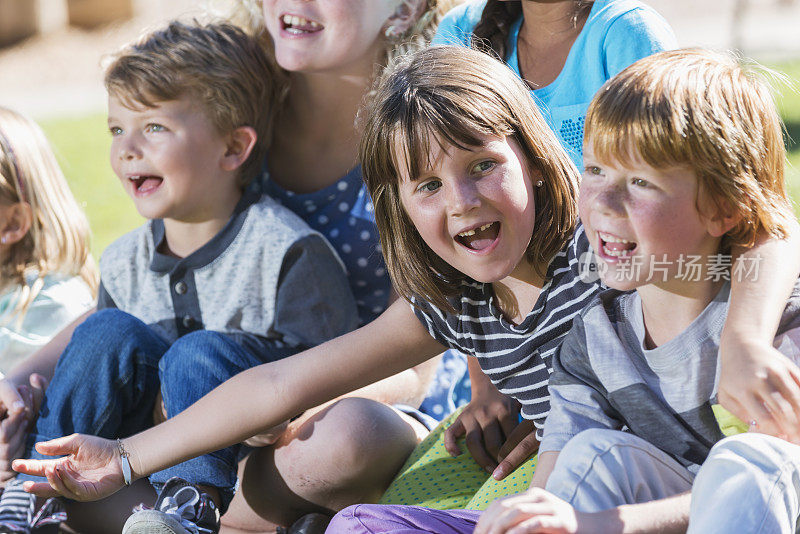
point(313, 523)
point(181, 508)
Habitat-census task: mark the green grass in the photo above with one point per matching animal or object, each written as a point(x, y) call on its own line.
point(82, 144)
point(789, 107)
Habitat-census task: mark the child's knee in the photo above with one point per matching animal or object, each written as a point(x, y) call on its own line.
point(751, 450)
point(109, 327)
point(104, 334)
point(359, 431)
point(192, 355)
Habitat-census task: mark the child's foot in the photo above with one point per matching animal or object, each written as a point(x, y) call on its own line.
point(16, 508)
point(181, 508)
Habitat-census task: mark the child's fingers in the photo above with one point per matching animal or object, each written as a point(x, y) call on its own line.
point(38, 386)
point(9, 396)
point(59, 446)
point(11, 426)
point(54, 478)
point(493, 438)
point(451, 435)
point(474, 441)
point(526, 447)
point(42, 489)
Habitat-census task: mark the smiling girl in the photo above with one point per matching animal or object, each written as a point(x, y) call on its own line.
point(451, 146)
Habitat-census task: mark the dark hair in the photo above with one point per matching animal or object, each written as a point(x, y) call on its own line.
point(492, 31)
point(458, 95)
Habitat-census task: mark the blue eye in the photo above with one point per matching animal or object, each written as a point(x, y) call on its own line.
point(483, 166)
point(115, 130)
point(153, 127)
point(430, 186)
point(593, 170)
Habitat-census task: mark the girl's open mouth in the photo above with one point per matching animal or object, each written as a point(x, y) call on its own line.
point(481, 237)
point(145, 184)
point(297, 25)
point(615, 247)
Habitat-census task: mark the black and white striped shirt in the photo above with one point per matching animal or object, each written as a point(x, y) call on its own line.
point(517, 359)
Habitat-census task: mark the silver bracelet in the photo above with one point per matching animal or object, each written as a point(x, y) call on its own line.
point(126, 464)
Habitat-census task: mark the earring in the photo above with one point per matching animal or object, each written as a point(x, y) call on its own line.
point(539, 183)
point(391, 32)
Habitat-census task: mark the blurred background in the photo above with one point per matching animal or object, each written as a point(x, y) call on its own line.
point(51, 54)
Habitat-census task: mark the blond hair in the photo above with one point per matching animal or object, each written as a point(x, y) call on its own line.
point(225, 70)
point(455, 95)
point(249, 15)
point(58, 239)
point(706, 111)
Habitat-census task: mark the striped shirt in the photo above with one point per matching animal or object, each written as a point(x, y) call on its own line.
point(517, 358)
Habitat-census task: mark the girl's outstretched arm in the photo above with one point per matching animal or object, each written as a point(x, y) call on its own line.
point(757, 383)
point(253, 400)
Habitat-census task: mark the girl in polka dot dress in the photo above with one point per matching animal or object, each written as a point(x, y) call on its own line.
point(476, 204)
point(330, 50)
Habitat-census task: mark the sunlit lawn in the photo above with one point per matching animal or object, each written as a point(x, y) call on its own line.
point(82, 144)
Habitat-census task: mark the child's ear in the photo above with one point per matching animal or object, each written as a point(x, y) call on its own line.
point(17, 223)
point(723, 220)
point(406, 14)
point(240, 144)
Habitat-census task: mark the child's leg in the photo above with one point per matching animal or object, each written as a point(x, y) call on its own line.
point(602, 469)
point(192, 367)
point(369, 518)
point(105, 382)
point(748, 483)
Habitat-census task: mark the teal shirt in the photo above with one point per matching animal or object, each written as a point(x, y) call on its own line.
point(616, 34)
point(60, 301)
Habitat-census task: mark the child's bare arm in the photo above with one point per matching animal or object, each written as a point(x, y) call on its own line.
point(239, 408)
point(755, 383)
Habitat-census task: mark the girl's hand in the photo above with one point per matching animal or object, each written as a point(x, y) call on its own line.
point(487, 423)
point(91, 470)
point(534, 511)
point(758, 383)
point(17, 421)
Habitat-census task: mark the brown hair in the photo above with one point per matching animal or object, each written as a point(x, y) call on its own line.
point(58, 239)
point(492, 31)
point(704, 110)
point(456, 94)
point(226, 71)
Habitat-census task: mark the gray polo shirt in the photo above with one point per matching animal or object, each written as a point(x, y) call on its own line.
point(604, 377)
point(265, 277)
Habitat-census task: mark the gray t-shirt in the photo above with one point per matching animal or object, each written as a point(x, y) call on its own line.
point(603, 377)
point(265, 277)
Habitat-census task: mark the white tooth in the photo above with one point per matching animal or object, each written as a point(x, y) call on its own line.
point(295, 21)
point(485, 226)
point(467, 233)
point(314, 25)
point(287, 19)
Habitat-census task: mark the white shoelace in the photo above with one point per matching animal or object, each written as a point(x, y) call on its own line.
point(184, 511)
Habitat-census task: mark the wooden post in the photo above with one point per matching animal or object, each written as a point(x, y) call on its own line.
point(93, 13)
point(17, 20)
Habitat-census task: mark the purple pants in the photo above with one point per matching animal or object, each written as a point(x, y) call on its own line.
point(399, 519)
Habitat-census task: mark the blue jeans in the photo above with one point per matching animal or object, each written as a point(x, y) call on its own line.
point(107, 380)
